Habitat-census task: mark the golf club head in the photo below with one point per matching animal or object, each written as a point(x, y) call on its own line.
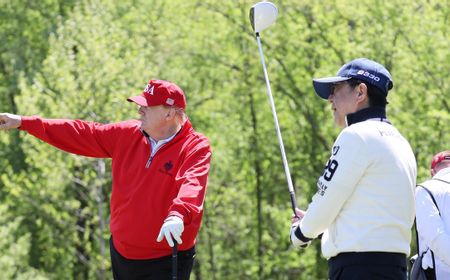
point(262, 15)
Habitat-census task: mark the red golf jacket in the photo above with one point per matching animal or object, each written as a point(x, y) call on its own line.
point(145, 191)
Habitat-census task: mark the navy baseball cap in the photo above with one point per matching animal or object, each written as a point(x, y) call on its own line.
point(362, 69)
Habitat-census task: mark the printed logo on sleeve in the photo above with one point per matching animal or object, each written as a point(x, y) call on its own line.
point(321, 187)
point(330, 169)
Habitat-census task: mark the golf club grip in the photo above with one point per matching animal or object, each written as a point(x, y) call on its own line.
point(174, 260)
point(293, 202)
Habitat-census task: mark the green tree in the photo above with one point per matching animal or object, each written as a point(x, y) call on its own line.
point(81, 59)
point(15, 248)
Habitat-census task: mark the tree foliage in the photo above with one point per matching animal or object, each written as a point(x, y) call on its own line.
point(82, 59)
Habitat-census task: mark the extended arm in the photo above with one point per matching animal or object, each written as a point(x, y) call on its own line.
point(73, 136)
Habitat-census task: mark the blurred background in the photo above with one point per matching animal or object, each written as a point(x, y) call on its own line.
point(82, 58)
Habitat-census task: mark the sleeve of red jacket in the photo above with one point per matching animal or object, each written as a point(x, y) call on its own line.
point(73, 136)
point(192, 178)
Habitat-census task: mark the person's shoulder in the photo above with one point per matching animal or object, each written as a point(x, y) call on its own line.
point(436, 187)
point(350, 133)
point(197, 140)
point(128, 125)
point(199, 135)
point(368, 126)
point(375, 130)
point(200, 138)
point(443, 175)
point(193, 133)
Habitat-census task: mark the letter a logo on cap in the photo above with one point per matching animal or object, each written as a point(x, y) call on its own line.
point(149, 89)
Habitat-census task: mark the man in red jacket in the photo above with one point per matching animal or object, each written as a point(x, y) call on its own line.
point(160, 166)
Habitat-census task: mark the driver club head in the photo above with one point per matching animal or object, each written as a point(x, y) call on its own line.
point(262, 15)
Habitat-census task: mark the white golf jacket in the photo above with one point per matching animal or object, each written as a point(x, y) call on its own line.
point(365, 197)
point(434, 229)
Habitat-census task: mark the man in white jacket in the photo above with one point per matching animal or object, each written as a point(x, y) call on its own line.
point(364, 206)
point(433, 222)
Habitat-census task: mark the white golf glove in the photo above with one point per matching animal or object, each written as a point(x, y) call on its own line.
point(173, 227)
point(296, 241)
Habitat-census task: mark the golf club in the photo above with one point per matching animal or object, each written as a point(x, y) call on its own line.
point(262, 15)
point(174, 260)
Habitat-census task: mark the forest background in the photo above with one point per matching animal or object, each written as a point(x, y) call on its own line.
point(82, 58)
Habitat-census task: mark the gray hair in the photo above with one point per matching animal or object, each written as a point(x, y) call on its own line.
point(180, 113)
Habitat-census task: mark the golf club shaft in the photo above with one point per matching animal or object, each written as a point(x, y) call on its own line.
point(277, 127)
point(174, 261)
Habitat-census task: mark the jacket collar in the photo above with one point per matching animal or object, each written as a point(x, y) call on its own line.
point(365, 114)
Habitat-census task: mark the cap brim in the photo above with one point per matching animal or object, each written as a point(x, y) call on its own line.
point(324, 86)
point(139, 100)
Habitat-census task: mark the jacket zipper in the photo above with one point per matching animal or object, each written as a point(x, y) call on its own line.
point(150, 159)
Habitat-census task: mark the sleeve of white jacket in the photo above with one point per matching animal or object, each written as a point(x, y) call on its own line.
point(344, 169)
point(431, 227)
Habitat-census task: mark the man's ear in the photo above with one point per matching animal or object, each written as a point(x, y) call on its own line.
point(170, 114)
point(362, 91)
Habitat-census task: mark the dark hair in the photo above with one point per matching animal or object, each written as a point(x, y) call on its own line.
point(376, 96)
